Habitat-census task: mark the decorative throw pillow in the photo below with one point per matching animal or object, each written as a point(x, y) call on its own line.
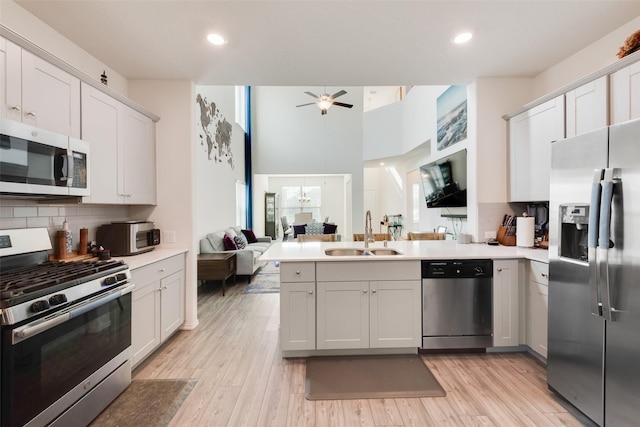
point(330, 228)
point(241, 241)
point(314, 228)
point(229, 244)
point(298, 229)
point(250, 235)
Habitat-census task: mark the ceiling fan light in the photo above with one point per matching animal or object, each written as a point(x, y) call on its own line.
point(324, 104)
point(462, 38)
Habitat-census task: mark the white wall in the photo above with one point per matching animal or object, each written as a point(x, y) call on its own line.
point(173, 101)
point(215, 182)
point(591, 58)
point(291, 140)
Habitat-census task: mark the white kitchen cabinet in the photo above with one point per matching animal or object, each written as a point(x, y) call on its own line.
point(37, 93)
point(158, 304)
point(530, 136)
point(297, 306)
point(537, 306)
point(587, 107)
point(506, 302)
point(343, 315)
point(368, 305)
point(625, 94)
point(123, 159)
point(375, 314)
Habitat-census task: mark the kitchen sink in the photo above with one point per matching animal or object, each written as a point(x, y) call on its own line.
point(384, 251)
point(360, 252)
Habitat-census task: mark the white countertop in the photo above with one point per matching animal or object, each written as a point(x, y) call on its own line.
point(137, 261)
point(410, 250)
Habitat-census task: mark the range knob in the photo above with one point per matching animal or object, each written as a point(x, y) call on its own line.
point(39, 306)
point(121, 276)
point(478, 270)
point(58, 299)
point(109, 281)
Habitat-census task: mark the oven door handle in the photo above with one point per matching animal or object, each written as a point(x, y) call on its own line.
point(102, 300)
point(30, 331)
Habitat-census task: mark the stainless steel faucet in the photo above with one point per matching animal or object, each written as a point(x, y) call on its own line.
point(368, 231)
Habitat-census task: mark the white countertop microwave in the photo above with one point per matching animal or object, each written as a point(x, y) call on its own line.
point(34, 161)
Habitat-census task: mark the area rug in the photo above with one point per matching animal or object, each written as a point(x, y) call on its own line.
point(149, 403)
point(369, 377)
point(265, 281)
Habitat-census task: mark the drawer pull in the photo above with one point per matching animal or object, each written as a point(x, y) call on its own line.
point(499, 270)
point(162, 270)
point(298, 272)
point(16, 108)
point(544, 274)
point(31, 113)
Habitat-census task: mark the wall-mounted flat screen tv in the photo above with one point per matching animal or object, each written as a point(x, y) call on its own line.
point(445, 181)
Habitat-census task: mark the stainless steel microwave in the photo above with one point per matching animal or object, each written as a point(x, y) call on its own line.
point(34, 161)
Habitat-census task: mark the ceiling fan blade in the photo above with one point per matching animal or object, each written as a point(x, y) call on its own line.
point(312, 94)
point(339, 93)
point(302, 105)
point(341, 104)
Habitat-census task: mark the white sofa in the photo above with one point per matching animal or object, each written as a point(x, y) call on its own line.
point(246, 259)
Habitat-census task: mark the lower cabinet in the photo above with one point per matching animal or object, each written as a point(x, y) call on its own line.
point(506, 302)
point(158, 305)
point(350, 305)
point(297, 306)
point(297, 316)
point(368, 314)
point(537, 307)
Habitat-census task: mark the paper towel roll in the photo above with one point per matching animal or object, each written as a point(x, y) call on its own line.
point(525, 231)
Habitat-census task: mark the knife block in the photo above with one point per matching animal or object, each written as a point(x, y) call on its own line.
point(505, 239)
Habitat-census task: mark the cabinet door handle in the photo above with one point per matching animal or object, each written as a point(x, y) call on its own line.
point(16, 108)
point(162, 270)
point(364, 291)
point(297, 272)
point(31, 113)
point(310, 292)
point(544, 275)
point(499, 270)
point(373, 291)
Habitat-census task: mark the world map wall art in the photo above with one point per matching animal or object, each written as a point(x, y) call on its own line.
point(214, 132)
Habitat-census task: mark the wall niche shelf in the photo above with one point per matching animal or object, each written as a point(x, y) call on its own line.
point(453, 215)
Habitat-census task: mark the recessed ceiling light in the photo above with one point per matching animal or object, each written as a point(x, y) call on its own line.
point(216, 39)
point(381, 163)
point(462, 38)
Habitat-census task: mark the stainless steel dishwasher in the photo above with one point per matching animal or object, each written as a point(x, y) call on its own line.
point(457, 304)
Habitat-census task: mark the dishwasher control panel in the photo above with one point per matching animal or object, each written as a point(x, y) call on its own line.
point(457, 268)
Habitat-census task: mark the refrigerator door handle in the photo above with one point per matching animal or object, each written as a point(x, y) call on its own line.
point(592, 241)
point(603, 241)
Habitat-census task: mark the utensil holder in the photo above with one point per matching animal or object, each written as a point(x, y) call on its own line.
point(505, 239)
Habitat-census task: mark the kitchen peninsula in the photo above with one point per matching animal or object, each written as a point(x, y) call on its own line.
point(359, 302)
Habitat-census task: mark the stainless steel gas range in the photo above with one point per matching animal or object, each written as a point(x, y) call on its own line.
point(66, 333)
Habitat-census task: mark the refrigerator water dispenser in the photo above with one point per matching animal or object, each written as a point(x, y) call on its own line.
point(574, 228)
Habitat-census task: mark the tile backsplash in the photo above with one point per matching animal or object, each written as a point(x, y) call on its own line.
point(15, 213)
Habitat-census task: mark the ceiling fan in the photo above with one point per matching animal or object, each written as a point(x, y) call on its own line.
point(325, 101)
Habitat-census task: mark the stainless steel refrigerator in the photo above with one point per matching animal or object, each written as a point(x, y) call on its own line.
point(594, 273)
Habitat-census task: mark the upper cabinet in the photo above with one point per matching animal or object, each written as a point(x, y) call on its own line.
point(530, 137)
point(38, 93)
point(625, 94)
point(609, 96)
point(586, 107)
point(123, 158)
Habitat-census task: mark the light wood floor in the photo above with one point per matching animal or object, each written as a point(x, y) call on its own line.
point(244, 381)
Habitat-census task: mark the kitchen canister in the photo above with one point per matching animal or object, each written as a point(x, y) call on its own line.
point(525, 231)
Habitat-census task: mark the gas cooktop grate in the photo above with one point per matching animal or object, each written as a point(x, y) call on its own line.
point(31, 279)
